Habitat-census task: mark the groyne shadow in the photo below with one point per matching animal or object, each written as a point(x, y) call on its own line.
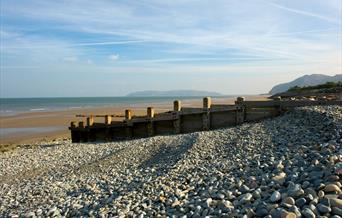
point(159, 164)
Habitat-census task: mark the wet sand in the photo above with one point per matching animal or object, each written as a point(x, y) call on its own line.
point(38, 126)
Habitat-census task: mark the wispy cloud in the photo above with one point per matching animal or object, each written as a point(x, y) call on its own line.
point(85, 44)
point(108, 43)
point(307, 13)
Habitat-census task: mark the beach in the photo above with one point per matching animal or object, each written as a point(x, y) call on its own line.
point(288, 166)
point(38, 125)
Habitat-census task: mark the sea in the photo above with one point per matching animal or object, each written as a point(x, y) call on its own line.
point(14, 106)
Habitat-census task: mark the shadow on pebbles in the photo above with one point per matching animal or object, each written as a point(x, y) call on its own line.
point(289, 166)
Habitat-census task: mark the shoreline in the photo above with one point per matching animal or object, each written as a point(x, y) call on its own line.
point(60, 120)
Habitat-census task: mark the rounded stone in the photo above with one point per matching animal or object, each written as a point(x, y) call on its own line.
point(332, 188)
point(320, 194)
point(208, 202)
point(335, 202)
point(307, 213)
point(289, 200)
point(295, 191)
point(261, 212)
point(286, 214)
point(336, 211)
point(220, 196)
point(275, 197)
point(247, 197)
point(300, 202)
point(323, 208)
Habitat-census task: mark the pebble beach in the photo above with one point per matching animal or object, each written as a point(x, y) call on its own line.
point(288, 166)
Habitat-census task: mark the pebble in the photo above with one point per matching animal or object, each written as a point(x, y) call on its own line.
point(280, 178)
point(246, 197)
point(336, 211)
point(332, 188)
point(295, 191)
point(289, 200)
point(335, 202)
point(320, 194)
point(276, 196)
point(286, 214)
point(300, 202)
point(308, 213)
point(323, 208)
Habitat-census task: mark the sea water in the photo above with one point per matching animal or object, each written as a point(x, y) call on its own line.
point(13, 106)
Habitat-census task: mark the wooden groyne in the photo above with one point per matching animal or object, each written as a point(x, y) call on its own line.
point(183, 119)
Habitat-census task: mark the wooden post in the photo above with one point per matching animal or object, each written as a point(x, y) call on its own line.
point(81, 134)
point(207, 102)
point(73, 124)
point(150, 112)
point(81, 124)
point(206, 113)
point(279, 108)
point(128, 114)
point(90, 120)
point(239, 100)
point(75, 135)
point(177, 105)
point(150, 124)
point(108, 119)
point(129, 124)
point(240, 110)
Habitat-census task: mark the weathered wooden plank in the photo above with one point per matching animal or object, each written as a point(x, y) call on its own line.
point(164, 127)
point(140, 130)
point(191, 123)
point(219, 108)
point(221, 119)
point(188, 110)
point(256, 114)
point(177, 122)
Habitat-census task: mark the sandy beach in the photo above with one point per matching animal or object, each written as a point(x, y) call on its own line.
point(51, 125)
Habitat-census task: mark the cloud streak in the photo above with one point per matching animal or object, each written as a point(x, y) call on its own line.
point(307, 13)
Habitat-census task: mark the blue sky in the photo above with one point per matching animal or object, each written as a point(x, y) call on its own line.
point(110, 48)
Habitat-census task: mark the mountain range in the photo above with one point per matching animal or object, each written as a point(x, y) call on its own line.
point(307, 80)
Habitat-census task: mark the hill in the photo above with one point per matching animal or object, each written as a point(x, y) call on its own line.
point(152, 93)
point(326, 89)
point(307, 80)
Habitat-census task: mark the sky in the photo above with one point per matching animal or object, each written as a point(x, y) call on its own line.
point(65, 48)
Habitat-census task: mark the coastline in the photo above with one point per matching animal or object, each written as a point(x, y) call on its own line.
point(50, 125)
